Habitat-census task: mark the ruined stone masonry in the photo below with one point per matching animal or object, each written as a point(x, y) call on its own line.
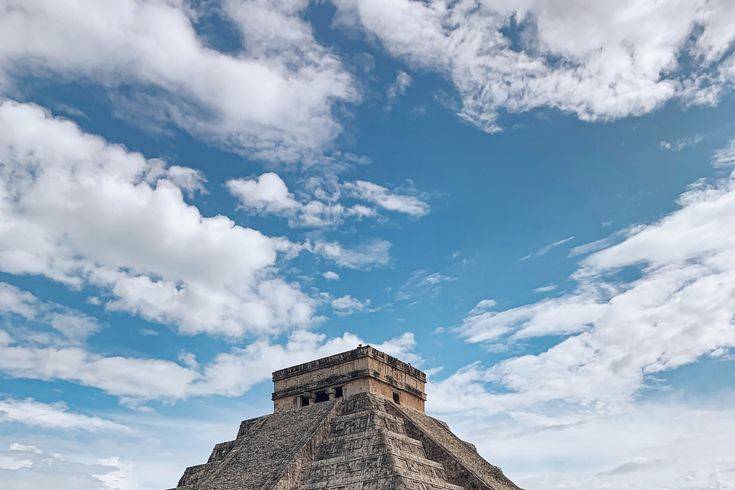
point(351, 421)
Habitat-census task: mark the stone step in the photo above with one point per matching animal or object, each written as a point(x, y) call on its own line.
point(358, 403)
point(348, 469)
point(193, 474)
point(407, 457)
point(363, 413)
point(246, 426)
point(412, 464)
point(221, 450)
point(353, 445)
point(362, 443)
point(393, 482)
point(365, 420)
point(414, 482)
point(401, 443)
point(374, 465)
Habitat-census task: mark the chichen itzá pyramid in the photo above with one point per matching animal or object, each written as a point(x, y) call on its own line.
point(350, 421)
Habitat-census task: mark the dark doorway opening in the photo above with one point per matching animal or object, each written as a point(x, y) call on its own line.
point(321, 396)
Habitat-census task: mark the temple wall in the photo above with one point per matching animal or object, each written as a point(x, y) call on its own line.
point(362, 370)
point(321, 374)
point(407, 399)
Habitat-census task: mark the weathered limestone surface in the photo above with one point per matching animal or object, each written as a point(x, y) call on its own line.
point(361, 370)
point(464, 465)
point(267, 450)
point(360, 442)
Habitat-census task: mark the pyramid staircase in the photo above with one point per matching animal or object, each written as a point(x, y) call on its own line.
point(367, 448)
point(361, 442)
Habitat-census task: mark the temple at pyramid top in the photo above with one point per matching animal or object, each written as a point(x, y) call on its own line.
point(351, 421)
point(361, 370)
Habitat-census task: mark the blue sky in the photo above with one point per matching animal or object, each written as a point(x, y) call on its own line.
point(194, 194)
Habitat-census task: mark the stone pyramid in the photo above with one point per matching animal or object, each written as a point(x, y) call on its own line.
point(354, 439)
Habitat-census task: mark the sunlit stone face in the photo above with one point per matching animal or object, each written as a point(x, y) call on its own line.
point(362, 370)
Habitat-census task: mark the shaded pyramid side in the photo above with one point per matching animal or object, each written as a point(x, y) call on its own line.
point(267, 453)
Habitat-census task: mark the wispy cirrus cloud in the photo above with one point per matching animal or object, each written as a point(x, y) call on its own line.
point(28, 466)
point(72, 325)
point(610, 338)
point(602, 243)
point(681, 143)
point(53, 416)
point(269, 194)
point(668, 444)
point(374, 253)
point(617, 332)
point(545, 249)
point(385, 198)
point(422, 284)
point(725, 157)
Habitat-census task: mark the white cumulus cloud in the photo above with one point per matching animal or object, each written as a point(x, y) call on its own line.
point(347, 305)
point(136, 379)
point(273, 98)
point(330, 276)
point(397, 88)
point(82, 211)
point(622, 59)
